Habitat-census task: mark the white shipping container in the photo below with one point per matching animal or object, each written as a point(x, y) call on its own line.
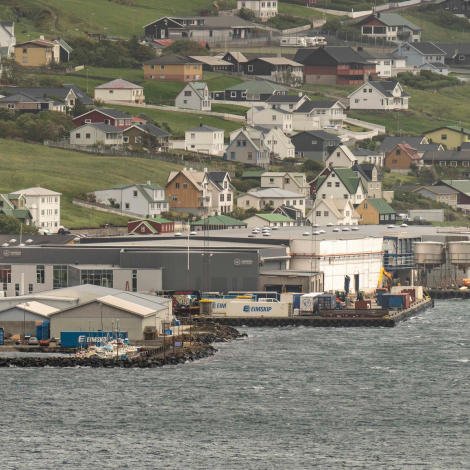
point(259, 309)
point(309, 302)
point(219, 306)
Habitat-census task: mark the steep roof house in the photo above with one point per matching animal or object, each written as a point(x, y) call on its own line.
point(120, 90)
point(248, 146)
point(376, 212)
point(389, 27)
point(109, 116)
point(401, 157)
point(341, 183)
point(385, 95)
point(312, 115)
point(194, 95)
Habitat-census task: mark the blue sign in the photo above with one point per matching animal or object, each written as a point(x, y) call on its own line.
point(76, 339)
point(248, 308)
point(2, 336)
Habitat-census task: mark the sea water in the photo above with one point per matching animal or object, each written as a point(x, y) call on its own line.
point(284, 398)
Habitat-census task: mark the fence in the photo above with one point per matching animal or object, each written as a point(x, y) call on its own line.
point(227, 117)
point(170, 158)
point(367, 125)
point(108, 209)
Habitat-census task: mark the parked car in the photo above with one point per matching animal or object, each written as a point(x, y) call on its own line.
point(63, 231)
point(44, 231)
point(33, 340)
point(419, 218)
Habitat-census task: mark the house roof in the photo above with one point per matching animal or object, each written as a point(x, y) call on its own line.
point(219, 220)
point(405, 187)
point(309, 106)
point(146, 223)
point(365, 153)
point(101, 126)
point(238, 56)
point(257, 87)
point(322, 135)
point(195, 177)
point(409, 151)
point(392, 19)
point(349, 179)
point(253, 174)
point(114, 113)
point(385, 88)
point(119, 83)
point(342, 54)
point(64, 45)
point(171, 59)
point(389, 143)
point(446, 155)
point(455, 49)
point(435, 65)
point(426, 48)
point(458, 129)
point(217, 178)
point(210, 60)
point(37, 191)
point(277, 61)
point(381, 205)
point(154, 130)
point(460, 185)
point(16, 98)
point(38, 308)
point(273, 193)
point(197, 88)
point(275, 217)
point(37, 42)
point(204, 129)
point(438, 189)
point(55, 92)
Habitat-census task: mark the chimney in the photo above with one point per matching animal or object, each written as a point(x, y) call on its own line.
point(148, 182)
point(41, 37)
point(205, 170)
point(190, 169)
point(300, 93)
point(360, 48)
point(378, 15)
point(184, 169)
point(200, 124)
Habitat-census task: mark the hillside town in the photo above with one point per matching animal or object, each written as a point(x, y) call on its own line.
point(210, 168)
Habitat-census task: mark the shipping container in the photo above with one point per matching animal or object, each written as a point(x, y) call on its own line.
point(2, 336)
point(411, 293)
point(379, 292)
point(39, 332)
point(363, 304)
point(45, 330)
point(292, 298)
point(390, 301)
point(309, 303)
point(75, 339)
point(219, 306)
point(259, 309)
point(327, 302)
point(258, 294)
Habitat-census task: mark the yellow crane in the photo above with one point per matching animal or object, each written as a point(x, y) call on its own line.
point(388, 279)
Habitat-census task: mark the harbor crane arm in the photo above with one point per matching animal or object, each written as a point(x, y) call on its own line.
point(388, 276)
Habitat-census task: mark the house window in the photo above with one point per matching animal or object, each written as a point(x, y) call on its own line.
point(465, 163)
point(357, 101)
point(328, 184)
point(229, 198)
point(77, 136)
point(88, 136)
point(326, 213)
point(134, 193)
point(442, 163)
point(187, 93)
point(323, 196)
point(345, 196)
point(185, 185)
point(286, 180)
point(337, 184)
point(273, 117)
point(444, 136)
point(232, 155)
point(177, 186)
point(398, 152)
point(394, 161)
point(250, 156)
point(233, 94)
point(125, 140)
point(250, 68)
point(222, 198)
point(318, 213)
point(271, 180)
point(128, 206)
point(174, 198)
point(25, 60)
point(162, 67)
point(40, 274)
point(365, 205)
point(453, 163)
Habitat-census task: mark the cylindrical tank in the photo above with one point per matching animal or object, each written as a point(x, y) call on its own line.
point(429, 253)
point(205, 307)
point(459, 254)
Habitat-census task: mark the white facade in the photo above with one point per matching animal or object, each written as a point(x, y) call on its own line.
point(194, 96)
point(44, 206)
point(205, 139)
point(217, 193)
point(262, 9)
point(341, 157)
point(437, 67)
point(318, 118)
point(334, 211)
point(294, 182)
point(142, 199)
point(290, 106)
point(270, 118)
point(334, 188)
point(368, 96)
point(90, 134)
point(259, 221)
point(7, 36)
point(259, 198)
point(120, 90)
point(279, 144)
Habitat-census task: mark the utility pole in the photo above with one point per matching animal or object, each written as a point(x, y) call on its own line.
point(91, 24)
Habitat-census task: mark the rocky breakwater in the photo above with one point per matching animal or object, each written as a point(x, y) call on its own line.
point(200, 349)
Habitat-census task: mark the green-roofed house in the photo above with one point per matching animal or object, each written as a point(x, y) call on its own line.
point(253, 175)
point(142, 200)
point(152, 226)
point(251, 90)
point(451, 136)
point(341, 183)
point(269, 220)
point(217, 222)
point(390, 27)
point(14, 205)
point(376, 211)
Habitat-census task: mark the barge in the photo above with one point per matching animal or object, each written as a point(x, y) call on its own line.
point(344, 318)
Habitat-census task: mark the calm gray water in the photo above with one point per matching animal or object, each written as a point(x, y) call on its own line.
point(291, 398)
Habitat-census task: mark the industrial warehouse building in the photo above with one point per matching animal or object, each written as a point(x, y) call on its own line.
point(85, 308)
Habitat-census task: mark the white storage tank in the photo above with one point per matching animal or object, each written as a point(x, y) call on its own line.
point(459, 254)
point(429, 253)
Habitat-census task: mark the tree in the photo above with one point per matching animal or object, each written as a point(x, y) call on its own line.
point(185, 48)
point(150, 142)
point(248, 15)
point(12, 71)
point(11, 226)
point(427, 176)
point(79, 108)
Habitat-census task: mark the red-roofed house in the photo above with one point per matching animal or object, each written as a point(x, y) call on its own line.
point(401, 157)
point(137, 120)
point(109, 116)
point(37, 53)
point(120, 90)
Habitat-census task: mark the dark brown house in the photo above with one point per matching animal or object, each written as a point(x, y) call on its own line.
point(133, 135)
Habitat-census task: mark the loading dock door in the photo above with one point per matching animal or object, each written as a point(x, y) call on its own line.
point(273, 288)
point(294, 289)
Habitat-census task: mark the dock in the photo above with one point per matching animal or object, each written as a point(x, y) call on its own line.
point(344, 318)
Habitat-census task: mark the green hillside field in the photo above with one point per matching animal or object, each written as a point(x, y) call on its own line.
point(26, 165)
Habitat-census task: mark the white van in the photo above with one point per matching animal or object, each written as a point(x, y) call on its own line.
point(293, 42)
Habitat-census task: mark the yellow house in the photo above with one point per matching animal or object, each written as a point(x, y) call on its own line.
point(173, 67)
point(450, 136)
point(37, 53)
point(375, 211)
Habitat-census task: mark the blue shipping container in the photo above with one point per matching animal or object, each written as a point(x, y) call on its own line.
point(2, 337)
point(39, 332)
point(391, 301)
point(45, 329)
point(75, 339)
point(296, 300)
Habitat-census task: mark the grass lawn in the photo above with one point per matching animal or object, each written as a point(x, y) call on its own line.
point(180, 122)
point(390, 179)
point(297, 10)
point(26, 165)
point(229, 109)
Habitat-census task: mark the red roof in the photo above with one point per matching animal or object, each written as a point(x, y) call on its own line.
point(410, 151)
point(167, 42)
point(136, 119)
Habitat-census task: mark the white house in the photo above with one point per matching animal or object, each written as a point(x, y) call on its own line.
point(195, 95)
point(120, 90)
point(368, 156)
point(7, 38)
point(269, 220)
point(258, 198)
point(389, 27)
point(434, 67)
point(205, 139)
point(140, 199)
point(279, 144)
point(419, 53)
point(341, 183)
point(313, 115)
point(387, 95)
point(341, 156)
point(218, 191)
point(44, 206)
point(247, 145)
point(96, 133)
point(386, 64)
point(333, 211)
point(268, 117)
point(286, 102)
point(261, 8)
point(290, 181)
point(372, 181)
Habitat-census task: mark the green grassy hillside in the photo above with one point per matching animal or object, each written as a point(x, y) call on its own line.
point(26, 165)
